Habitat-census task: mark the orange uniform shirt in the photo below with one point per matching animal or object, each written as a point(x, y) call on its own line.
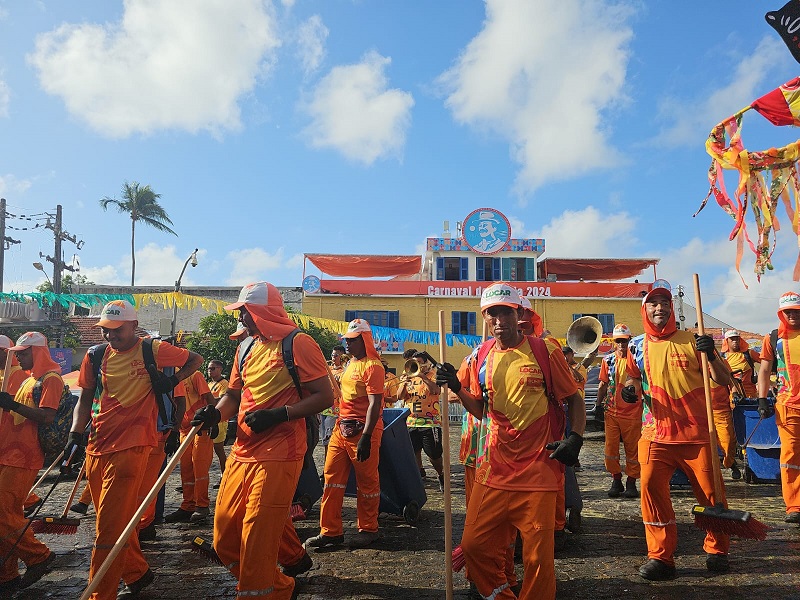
point(741, 370)
point(15, 378)
point(360, 378)
point(614, 373)
point(788, 379)
point(390, 386)
point(720, 394)
point(265, 382)
point(218, 388)
point(424, 405)
point(19, 437)
point(195, 387)
point(125, 415)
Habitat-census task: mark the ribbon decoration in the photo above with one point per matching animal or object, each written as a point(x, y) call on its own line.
point(84, 300)
point(181, 300)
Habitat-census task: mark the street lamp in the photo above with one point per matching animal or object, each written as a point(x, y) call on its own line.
point(192, 259)
point(40, 267)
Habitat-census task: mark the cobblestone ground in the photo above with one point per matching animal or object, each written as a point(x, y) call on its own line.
point(407, 563)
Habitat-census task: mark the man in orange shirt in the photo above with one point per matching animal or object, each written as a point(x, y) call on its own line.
point(124, 413)
point(329, 415)
point(665, 363)
point(252, 526)
point(742, 361)
point(218, 386)
point(21, 458)
point(521, 453)
point(16, 375)
point(357, 442)
point(787, 404)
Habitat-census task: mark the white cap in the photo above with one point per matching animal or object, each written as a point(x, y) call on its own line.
point(789, 301)
point(525, 303)
point(5, 341)
point(260, 292)
point(31, 338)
point(731, 333)
point(356, 327)
point(621, 331)
point(500, 294)
point(115, 313)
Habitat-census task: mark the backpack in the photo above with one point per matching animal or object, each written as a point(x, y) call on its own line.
point(773, 340)
point(165, 402)
point(749, 360)
point(287, 350)
point(53, 437)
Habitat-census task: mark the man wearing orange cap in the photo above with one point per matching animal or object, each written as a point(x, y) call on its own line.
point(252, 526)
point(665, 364)
point(521, 454)
point(623, 420)
point(122, 406)
point(787, 404)
point(355, 441)
point(21, 457)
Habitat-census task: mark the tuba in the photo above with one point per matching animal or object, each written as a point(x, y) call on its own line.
point(584, 335)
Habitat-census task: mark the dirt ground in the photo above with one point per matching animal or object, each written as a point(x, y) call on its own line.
point(600, 562)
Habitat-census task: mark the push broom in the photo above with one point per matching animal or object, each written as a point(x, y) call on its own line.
point(62, 525)
point(718, 519)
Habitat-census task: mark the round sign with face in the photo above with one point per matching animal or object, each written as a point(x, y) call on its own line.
point(311, 284)
point(486, 231)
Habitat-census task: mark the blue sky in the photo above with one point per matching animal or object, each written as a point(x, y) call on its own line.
point(358, 126)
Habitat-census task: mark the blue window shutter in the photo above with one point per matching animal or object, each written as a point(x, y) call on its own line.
point(530, 269)
point(471, 323)
point(479, 273)
point(455, 318)
point(439, 268)
point(608, 322)
point(495, 269)
point(506, 262)
point(349, 315)
point(576, 316)
point(464, 269)
point(394, 319)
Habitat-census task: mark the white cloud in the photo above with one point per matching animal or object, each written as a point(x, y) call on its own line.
point(10, 183)
point(155, 265)
point(311, 37)
point(181, 64)
point(5, 99)
point(542, 75)
point(252, 264)
point(353, 111)
point(584, 233)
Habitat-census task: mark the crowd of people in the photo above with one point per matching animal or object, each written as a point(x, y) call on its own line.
point(145, 399)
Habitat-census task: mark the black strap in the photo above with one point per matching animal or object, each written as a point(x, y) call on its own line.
point(773, 340)
point(244, 349)
point(96, 354)
point(287, 349)
point(749, 360)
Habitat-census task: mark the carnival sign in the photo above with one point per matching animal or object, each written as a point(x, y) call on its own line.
point(486, 231)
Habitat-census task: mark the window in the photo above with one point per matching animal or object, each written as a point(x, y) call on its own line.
point(487, 269)
point(381, 318)
point(464, 323)
point(452, 269)
point(606, 320)
point(519, 269)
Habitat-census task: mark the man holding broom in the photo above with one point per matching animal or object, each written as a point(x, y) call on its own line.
point(665, 364)
point(124, 431)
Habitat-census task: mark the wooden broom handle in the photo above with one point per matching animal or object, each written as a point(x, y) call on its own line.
point(6, 369)
point(448, 510)
point(712, 431)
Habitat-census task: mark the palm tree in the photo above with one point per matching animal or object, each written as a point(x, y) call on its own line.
point(141, 203)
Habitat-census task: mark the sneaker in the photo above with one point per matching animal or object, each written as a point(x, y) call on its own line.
point(718, 563)
point(656, 570)
point(792, 517)
point(736, 474)
point(35, 572)
point(616, 488)
point(147, 534)
point(630, 488)
point(131, 590)
point(80, 508)
point(574, 520)
point(364, 539)
point(201, 513)
point(323, 541)
point(560, 540)
point(179, 516)
point(300, 567)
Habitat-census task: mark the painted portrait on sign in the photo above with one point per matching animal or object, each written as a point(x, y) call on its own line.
point(486, 230)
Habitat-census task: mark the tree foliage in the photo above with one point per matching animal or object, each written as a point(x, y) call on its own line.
point(69, 284)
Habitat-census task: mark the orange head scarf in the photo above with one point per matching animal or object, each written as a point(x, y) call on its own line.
point(670, 326)
point(265, 304)
point(743, 345)
point(360, 327)
point(43, 362)
point(788, 301)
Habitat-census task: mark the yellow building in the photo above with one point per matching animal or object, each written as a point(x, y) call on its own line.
point(450, 277)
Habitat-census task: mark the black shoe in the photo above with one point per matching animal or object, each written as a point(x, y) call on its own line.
point(655, 570)
point(718, 563)
point(147, 534)
point(200, 514)
point(574, 520)
point(7, 588)
point(300, 567)
point(630, 488)
point(35, 572)
point(322, 541)
point(179, 516)
point(792, 517)
point(80, 508)
point(132, 590)
point(560, 538)
point(32, 508)
point(364, 539)
point(736, 474)
point(616, 488)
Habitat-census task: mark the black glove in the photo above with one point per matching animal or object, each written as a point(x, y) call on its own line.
point(566, 450)
point(364, 447)
point(705, 343)
point(74, 451)
point(628, 394)
point(172, 443)
point(7, 401)
point(161, 383)
point(260, 420)
point(446, 375)
point(765, 408)
point(208, 417)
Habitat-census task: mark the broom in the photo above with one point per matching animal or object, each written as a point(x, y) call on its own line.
point(448, 515)
point(206, 549)
point(718, 519)
point(62, 525)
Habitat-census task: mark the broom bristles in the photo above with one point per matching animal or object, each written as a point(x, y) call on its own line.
point(205, 548)
point(55, 525)
point(746, 528)
point(297, 512)
point(458, 559)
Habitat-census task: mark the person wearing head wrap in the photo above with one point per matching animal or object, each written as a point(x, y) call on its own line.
point(787, 403)
point(741, 359)
point(253, 530)
point(623, 420)
point(521, 451)
point(665, 364)
point(124, 446)
point(15, 375)
point(21, 457)
point(356, 441)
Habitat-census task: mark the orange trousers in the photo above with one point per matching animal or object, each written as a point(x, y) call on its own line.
point(250, 522)
point(659, 462)
point(726, 436)
point(627, 431)
point(341, 455)
point(86, 496)
point(111, 478)
point(15, 483)
point(195, 463)
point(788, 420)
point(151, 473)
point(492, 517)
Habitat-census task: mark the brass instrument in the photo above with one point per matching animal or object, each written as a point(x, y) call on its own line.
point(412, 368)
point(584, 335)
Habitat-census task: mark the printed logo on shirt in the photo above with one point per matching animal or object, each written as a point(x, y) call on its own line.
point(678, 360)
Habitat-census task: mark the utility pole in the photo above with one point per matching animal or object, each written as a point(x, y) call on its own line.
point(5, 242)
